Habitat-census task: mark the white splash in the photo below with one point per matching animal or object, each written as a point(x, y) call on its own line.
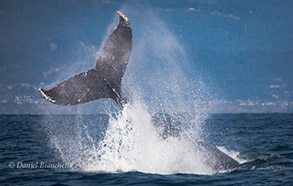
point(132, 143)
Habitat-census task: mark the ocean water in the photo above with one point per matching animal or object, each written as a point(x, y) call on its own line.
point(115, 149)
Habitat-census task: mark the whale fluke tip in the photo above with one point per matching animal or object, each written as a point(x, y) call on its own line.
point(42, 92)
point(122, 16)
point(46, 96)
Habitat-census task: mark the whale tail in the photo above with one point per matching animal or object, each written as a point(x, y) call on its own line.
point(103, 81)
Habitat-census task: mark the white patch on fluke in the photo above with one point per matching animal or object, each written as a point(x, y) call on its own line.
point(46, 97)
point(122, 15)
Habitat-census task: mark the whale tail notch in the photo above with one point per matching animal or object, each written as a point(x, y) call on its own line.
point(103, 81)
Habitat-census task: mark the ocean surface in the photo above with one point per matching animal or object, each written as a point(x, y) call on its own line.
point(83, 150)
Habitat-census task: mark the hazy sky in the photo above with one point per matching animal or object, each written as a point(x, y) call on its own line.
point(241, 49)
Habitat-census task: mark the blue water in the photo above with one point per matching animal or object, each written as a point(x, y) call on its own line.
point(263, 143)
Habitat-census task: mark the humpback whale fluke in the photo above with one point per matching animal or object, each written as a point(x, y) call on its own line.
point(103, 81)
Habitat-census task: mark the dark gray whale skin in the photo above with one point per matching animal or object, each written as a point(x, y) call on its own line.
point(104, 81)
